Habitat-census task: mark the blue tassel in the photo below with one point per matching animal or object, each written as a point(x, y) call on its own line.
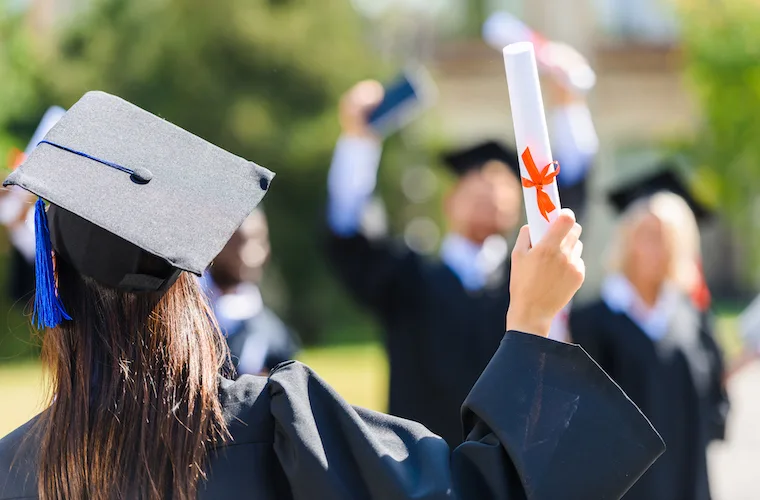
point(48, 309)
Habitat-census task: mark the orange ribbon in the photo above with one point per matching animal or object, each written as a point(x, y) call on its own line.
point(15, 158)
point(539, 180)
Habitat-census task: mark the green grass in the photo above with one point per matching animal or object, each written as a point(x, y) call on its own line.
point(21, 394)
point(358, 372)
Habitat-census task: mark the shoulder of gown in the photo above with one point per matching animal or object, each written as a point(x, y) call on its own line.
point(18, 469)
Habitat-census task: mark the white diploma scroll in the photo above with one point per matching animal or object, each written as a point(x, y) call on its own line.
point(540, 190)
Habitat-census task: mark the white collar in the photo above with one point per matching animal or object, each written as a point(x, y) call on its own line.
point(473, 263)
point(242, 304)
point(621, 297)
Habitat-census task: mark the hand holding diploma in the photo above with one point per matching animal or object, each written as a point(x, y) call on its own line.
point(545, 276)
point(537, 168)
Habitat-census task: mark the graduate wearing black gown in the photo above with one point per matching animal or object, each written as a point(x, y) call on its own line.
point(15, 209)
point(543, 421)
point(258, 339)
point(664, 356)
point(426, 305)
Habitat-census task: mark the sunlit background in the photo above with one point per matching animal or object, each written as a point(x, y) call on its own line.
point(262, 78)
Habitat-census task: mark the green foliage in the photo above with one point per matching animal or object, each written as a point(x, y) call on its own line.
point(260, 78)
point(722, 43)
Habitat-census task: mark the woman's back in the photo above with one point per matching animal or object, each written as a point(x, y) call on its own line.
point(139, 407)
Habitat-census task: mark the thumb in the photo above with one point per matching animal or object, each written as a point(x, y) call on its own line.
point(522, 245)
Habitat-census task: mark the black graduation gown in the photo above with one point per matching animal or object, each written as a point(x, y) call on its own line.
point(544, 422)
point(438, 335)
point(21, 278)
point(270, 332)
point(677, 383)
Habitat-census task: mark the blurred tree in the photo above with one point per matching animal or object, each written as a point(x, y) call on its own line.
point(476, 15)
point(260, 78)
point(722, 46)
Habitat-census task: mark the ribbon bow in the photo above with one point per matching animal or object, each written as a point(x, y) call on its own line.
point(538, 180)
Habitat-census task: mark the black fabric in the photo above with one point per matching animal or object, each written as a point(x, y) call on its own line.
point(560, 429)
point(439, 336)
point(677, 383)
point(101, 255)
point(666, 178)
point(21, 278)
point(475, 157)
point(198, 194)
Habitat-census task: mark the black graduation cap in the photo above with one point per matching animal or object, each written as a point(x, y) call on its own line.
point(134, 200)
point(662, 180)
point(475, 157)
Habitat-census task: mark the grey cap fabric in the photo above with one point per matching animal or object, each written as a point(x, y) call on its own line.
point(142, 179)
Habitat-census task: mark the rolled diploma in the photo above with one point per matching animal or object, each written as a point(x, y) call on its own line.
point(530, 130)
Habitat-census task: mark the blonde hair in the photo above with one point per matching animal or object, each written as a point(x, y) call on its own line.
point(681, 234)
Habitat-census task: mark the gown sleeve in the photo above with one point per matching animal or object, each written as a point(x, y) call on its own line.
point(544, 422)
point(382, 275)
point(717, 396)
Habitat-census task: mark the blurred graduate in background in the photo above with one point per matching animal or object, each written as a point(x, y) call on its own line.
point(258, 339)
point(442, 318)
point(651, 336)
point(18, 218)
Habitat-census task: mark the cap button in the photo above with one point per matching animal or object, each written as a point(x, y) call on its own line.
point(141, 175)
point(264, 183)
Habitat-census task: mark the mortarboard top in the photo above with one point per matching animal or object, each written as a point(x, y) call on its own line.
point(666, 179)
point(135, 199)
point(475, 157)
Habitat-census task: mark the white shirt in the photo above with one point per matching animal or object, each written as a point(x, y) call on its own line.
point(621, 297)
point(232, 309)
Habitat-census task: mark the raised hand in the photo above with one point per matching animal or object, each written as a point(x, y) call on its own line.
point(544, 278)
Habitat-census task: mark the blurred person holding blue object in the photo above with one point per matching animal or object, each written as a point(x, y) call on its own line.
point(17, 216)
point(257, 337)
point(140, 404)
point(439, 316)
point(649, 334)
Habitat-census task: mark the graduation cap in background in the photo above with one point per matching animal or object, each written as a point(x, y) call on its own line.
point(475, 157)
point(134, 200)
point(666, 179)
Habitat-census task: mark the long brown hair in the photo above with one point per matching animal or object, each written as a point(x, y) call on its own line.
point(134, 402)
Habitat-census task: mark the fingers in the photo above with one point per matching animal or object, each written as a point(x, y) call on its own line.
point(572, 238)
point(367, 95)
point(559, 229)
point(577, 252)
point(522, 245)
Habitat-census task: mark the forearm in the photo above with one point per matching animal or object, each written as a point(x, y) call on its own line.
point(575, 141)
point(351, 182)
